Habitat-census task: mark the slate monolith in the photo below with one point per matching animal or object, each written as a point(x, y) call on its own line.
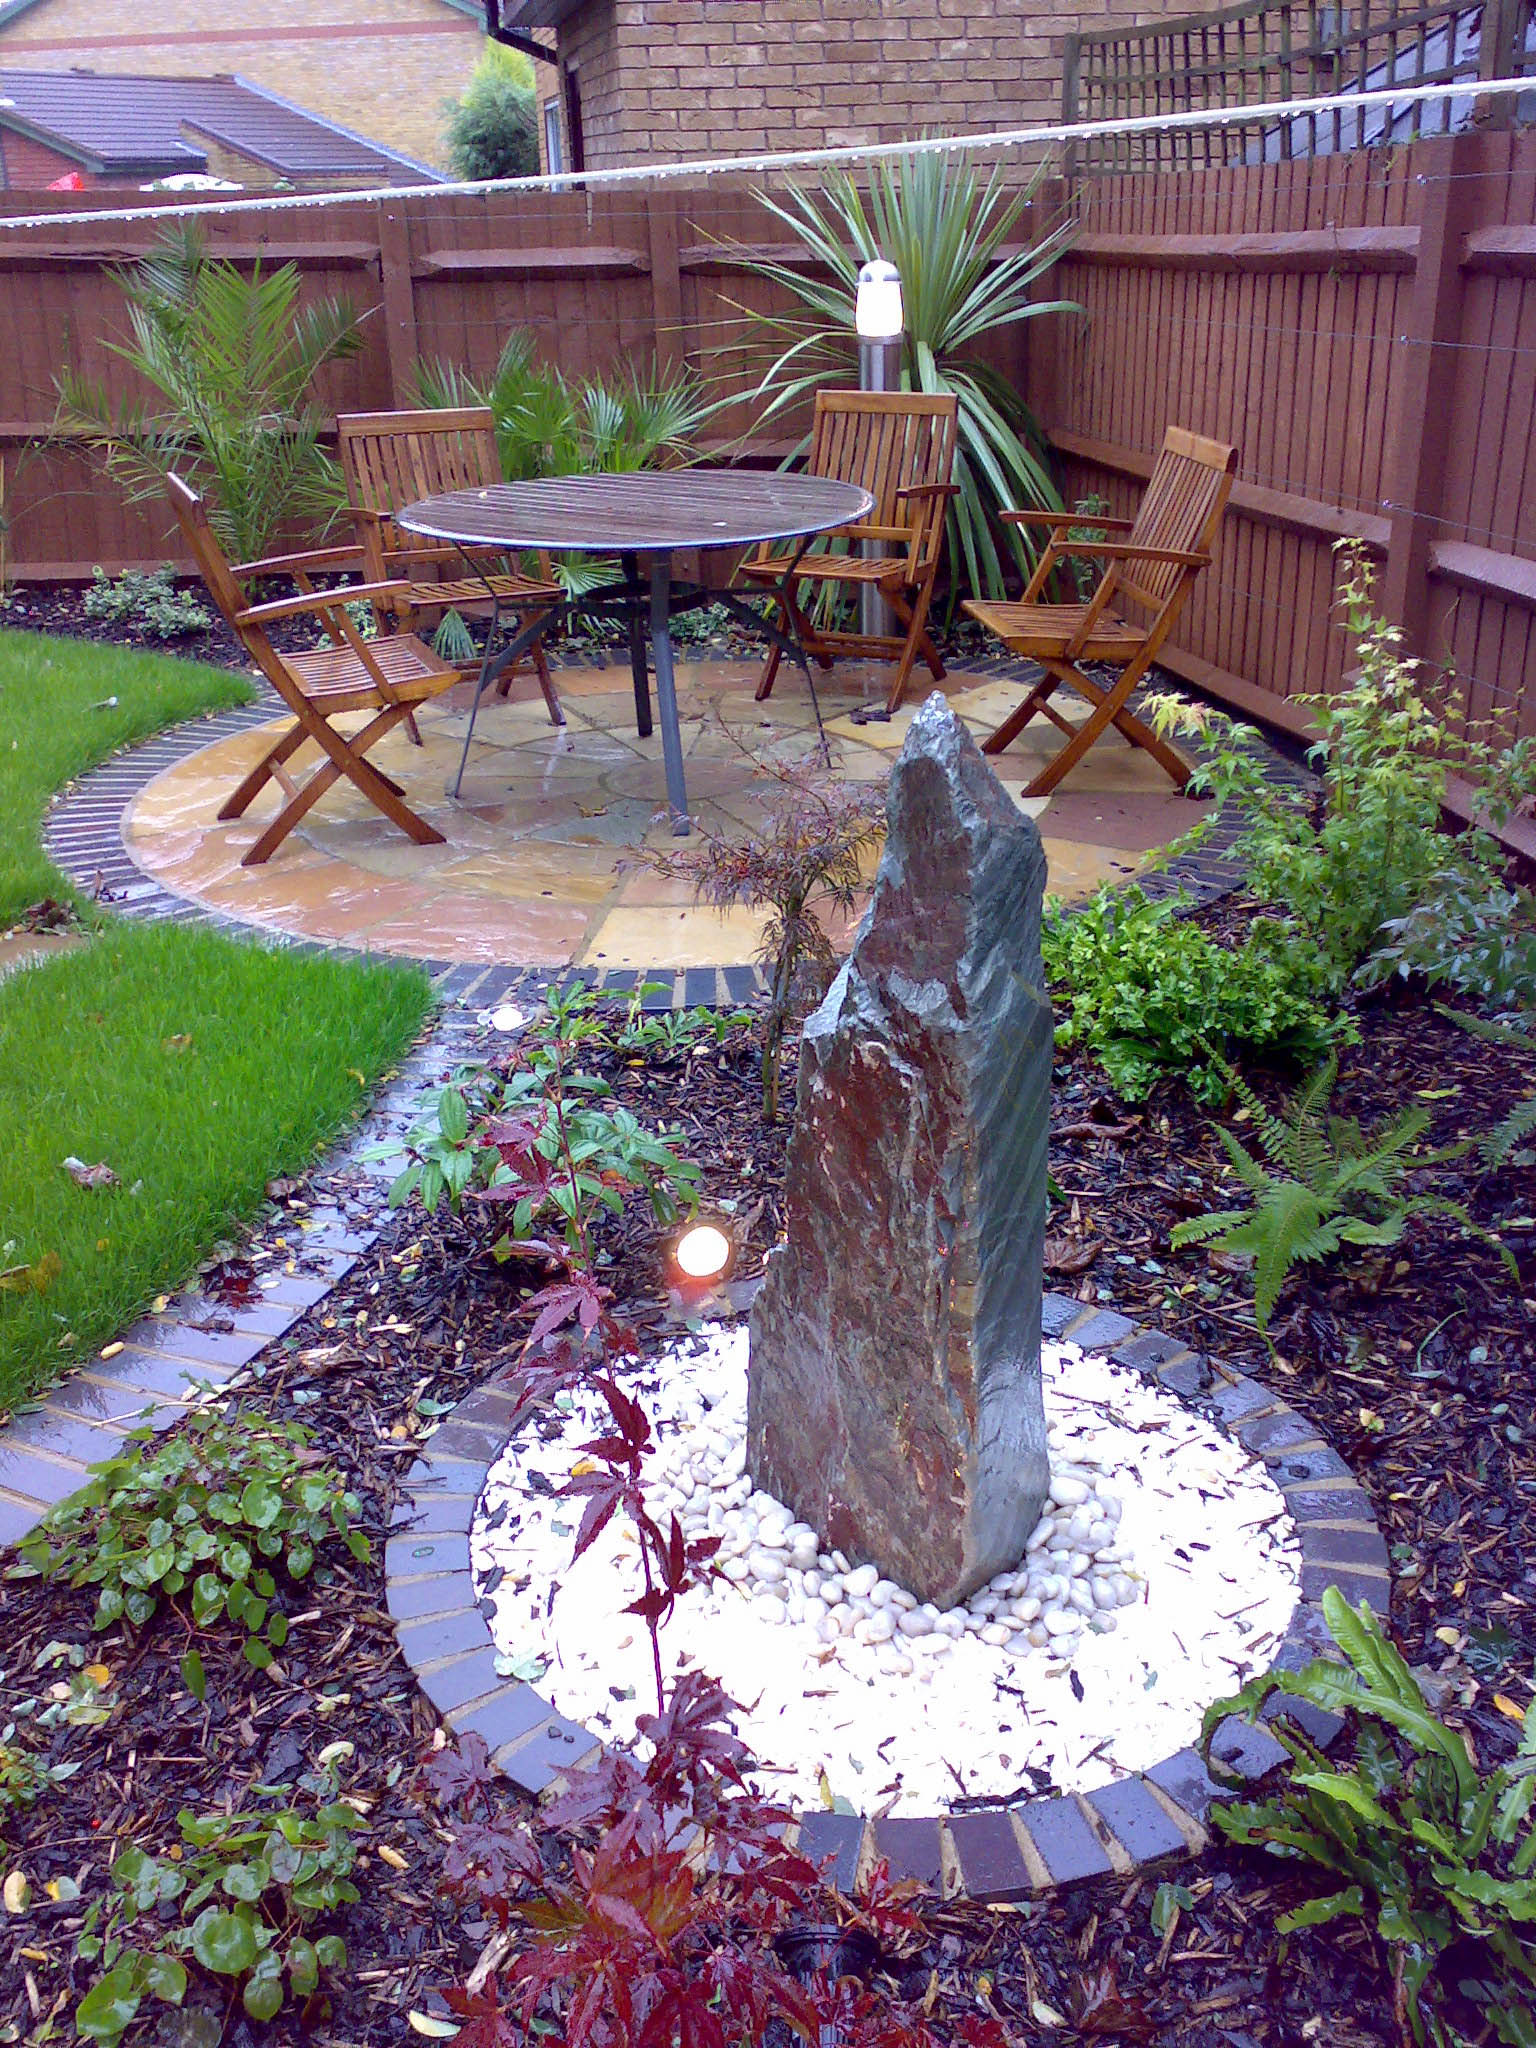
point(894, 1388)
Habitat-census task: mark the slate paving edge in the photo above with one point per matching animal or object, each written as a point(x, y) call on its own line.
point(1069, 1833)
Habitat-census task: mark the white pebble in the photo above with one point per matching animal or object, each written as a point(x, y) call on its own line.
point(862, 1582)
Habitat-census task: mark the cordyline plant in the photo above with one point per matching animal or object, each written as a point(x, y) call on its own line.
point(951, 235)
point(655, 1928)
point(807, 853)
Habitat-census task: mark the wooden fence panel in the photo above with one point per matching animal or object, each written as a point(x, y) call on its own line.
point(1362, 325)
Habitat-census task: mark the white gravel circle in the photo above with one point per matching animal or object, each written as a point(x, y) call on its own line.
point(1163, 1573)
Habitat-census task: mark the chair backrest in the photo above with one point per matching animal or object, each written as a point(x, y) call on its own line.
point(390, 459)
point(224, 586)
point(888, 441)
point(1181, 508)
point(212, 562)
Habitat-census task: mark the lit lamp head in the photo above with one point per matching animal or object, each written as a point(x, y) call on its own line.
point(702, 1255)
point(877, 313)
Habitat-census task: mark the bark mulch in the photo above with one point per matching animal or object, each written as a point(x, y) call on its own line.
point(1418, 1366)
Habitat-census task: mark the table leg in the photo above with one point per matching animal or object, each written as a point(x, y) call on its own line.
point(495, 665)
point(636, 591)
point(666, 692)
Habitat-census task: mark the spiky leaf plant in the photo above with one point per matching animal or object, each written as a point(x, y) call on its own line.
point(949, 233)
point(550, 425)
point(1338, 1184)
point(234, 357)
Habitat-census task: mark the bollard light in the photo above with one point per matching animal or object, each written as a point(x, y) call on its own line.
point(877, 320)
point(877, 311)
point(703, 1252)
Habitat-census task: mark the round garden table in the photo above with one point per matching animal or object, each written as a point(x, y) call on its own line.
point(647, 515)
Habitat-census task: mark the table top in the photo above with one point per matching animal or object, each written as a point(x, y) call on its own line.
point(644, 511)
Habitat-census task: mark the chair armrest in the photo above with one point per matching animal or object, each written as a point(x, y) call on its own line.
point(1067, 519)
point(1121, 551)
point(288, 565)
point(318, 601)
point(929, 491)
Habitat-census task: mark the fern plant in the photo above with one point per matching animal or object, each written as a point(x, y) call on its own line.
point(1338, 1184)
point(1437, 1856)
point(1510, 1144)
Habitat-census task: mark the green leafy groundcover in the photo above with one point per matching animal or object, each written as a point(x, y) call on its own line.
point(64, 706)
point(194, 1068)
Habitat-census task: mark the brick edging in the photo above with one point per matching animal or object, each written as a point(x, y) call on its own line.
point(155, 1370)
point(1150, 1818)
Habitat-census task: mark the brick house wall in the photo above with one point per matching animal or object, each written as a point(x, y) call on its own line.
point(30, 166)
point(671, 79)
point(379, 67)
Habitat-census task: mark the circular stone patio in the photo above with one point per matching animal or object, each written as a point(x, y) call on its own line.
point(543, 864)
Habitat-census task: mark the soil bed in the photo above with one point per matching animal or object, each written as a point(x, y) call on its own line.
point(1418, 1369)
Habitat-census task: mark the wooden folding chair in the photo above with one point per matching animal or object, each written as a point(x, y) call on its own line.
point(390, 459)
point(1150, 571)
point(900, 446)
point(388, 675)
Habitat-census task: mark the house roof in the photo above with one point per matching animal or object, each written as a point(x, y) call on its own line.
point(527, 14)
point(112, 122)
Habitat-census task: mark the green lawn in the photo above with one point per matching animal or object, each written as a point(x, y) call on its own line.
point(195, 1067)
point(64, 706)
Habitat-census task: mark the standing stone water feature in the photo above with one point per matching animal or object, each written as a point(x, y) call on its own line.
point(894, 1391)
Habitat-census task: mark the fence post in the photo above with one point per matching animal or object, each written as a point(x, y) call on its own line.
point(394, 232)
point(1498, 44)
point(661, 207)
point(1071, 68)
point(1419, 425)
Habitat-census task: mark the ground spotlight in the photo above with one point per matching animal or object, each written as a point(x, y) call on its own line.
point(703, 1253)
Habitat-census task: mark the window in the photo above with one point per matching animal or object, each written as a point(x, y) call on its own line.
point(554, 156)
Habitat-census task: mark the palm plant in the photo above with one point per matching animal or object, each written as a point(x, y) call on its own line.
point(548, 425)
point(946, 231)
point(234, 359)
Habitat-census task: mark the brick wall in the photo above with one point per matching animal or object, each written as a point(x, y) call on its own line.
point(379, 67)
point(30, 166)
point(692, 78)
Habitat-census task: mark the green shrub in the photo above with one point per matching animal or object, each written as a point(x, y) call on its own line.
point(1366, 850)
point(1467, 932)
point(1151, 996)
point(150, 603)
point(1436, 1855)
point(236, 1901)
point(544, 1125)
point(492, 129)
point(217, 1512)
